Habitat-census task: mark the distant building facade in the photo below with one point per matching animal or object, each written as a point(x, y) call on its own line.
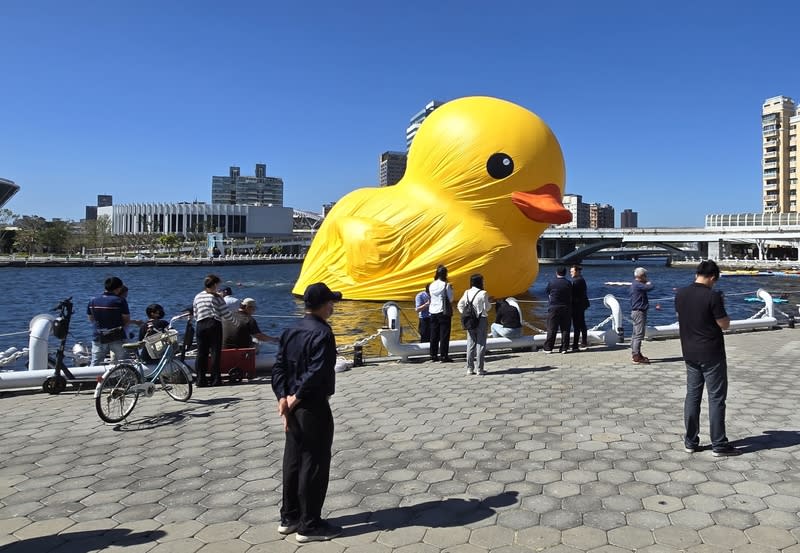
point(392, 167)
point(91, 213)
point(104, 200)
point(258, 190)
point(418, 118)
point(601, 216)
point(580, 211)
point(780, 126)
point(199, 218)
point(628, 219)
point(7, 189)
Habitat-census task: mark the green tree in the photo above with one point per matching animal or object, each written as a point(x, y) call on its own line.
point(7, 217)
point(103, 231)
point(170, 242)
point(55, 236)
point(29, 236)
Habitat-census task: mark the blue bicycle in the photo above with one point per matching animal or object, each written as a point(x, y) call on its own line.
point(118, 390)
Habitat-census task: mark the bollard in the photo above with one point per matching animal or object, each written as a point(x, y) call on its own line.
point(621, 334)
point(358, 356)
point(791, 321)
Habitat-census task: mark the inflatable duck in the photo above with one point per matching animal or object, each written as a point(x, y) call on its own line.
point(484, 179)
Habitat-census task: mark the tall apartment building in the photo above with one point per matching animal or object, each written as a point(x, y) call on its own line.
point(780, 123)
point(417, 120)
point(580, 211)
point(628, 219)
point(246, 190)
point(392, 167)
point(601, 216)
point(104, 200)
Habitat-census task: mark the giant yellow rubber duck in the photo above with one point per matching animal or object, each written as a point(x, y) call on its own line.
point(484, 179)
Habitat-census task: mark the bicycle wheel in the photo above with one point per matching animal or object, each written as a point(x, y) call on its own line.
point(114, 401)
point(176, 380)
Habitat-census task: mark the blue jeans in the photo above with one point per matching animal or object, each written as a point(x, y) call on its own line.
point(101, 351)
point(715, 378)
point(500, 331)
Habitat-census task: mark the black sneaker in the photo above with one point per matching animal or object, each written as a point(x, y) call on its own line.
point(324, 532)
point(726, 451)
point(691, 448)
point(287, 527)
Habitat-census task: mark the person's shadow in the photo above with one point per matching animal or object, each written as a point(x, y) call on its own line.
point(770, 439)
point(84, 542)
point(431, 514)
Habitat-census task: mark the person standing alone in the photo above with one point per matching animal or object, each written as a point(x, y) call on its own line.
point(303, 379)
point(559, 311)
point(640, 303)
point(702, 318)
point(580, 303)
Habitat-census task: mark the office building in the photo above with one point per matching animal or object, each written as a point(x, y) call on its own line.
point(392, 167)
point(628, 219)
point(417, 120)
point(780, 123)
point(580, 211)
point(199, 218)
point(601, 216)
point(104, 200)
point(7, 189)
point(91, 213)
point(258, 190)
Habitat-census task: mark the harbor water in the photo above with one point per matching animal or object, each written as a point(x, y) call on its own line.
point(30, 291)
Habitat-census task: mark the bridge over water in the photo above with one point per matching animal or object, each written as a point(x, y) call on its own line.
point(713, 241)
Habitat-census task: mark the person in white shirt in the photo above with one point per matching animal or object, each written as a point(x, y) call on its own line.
point(476, 337)
point(441, 310)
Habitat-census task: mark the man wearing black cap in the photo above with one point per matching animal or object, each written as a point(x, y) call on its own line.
point(303, 379)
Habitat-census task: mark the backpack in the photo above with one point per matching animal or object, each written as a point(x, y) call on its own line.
point(470, 317)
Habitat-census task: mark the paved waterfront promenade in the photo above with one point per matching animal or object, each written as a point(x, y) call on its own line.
point(556, 453)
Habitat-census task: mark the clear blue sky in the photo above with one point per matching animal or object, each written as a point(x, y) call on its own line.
point(656, 104)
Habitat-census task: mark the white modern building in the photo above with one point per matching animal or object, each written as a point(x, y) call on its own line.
point(247, 190)
point(198, 217)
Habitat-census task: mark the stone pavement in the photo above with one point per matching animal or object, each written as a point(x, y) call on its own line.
point(556, 453)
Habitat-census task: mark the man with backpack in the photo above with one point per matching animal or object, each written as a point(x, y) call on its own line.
point(474, 306)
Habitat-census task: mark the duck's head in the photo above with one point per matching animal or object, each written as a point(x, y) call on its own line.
point(492, 156)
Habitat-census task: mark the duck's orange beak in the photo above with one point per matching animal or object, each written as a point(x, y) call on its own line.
point(542, 205)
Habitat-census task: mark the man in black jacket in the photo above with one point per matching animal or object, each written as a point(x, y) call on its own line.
point(303, 379)
point(559, 310)
point(580, 303)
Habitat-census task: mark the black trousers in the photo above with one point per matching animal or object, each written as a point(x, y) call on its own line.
point(307, 463)
point(209, 341)
point(579, 329)
point(425, 330)
point(440, 335)
point(558, 318)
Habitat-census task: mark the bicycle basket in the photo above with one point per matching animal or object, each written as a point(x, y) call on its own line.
point(156, 344)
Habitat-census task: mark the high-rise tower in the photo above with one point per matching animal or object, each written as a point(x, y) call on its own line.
point(780, 123)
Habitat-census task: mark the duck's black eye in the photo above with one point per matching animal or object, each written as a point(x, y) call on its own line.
point(500, 165)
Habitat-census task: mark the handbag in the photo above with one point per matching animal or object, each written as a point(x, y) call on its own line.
point(447, 306)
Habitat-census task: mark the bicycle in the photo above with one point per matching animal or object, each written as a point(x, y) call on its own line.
point(118, 390)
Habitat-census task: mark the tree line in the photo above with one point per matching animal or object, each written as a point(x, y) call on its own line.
point(33, 235)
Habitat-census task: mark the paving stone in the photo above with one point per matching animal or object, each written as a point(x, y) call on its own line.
point(584, 538)
point(679, 537)
point(724, 537)
point(630, 537)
